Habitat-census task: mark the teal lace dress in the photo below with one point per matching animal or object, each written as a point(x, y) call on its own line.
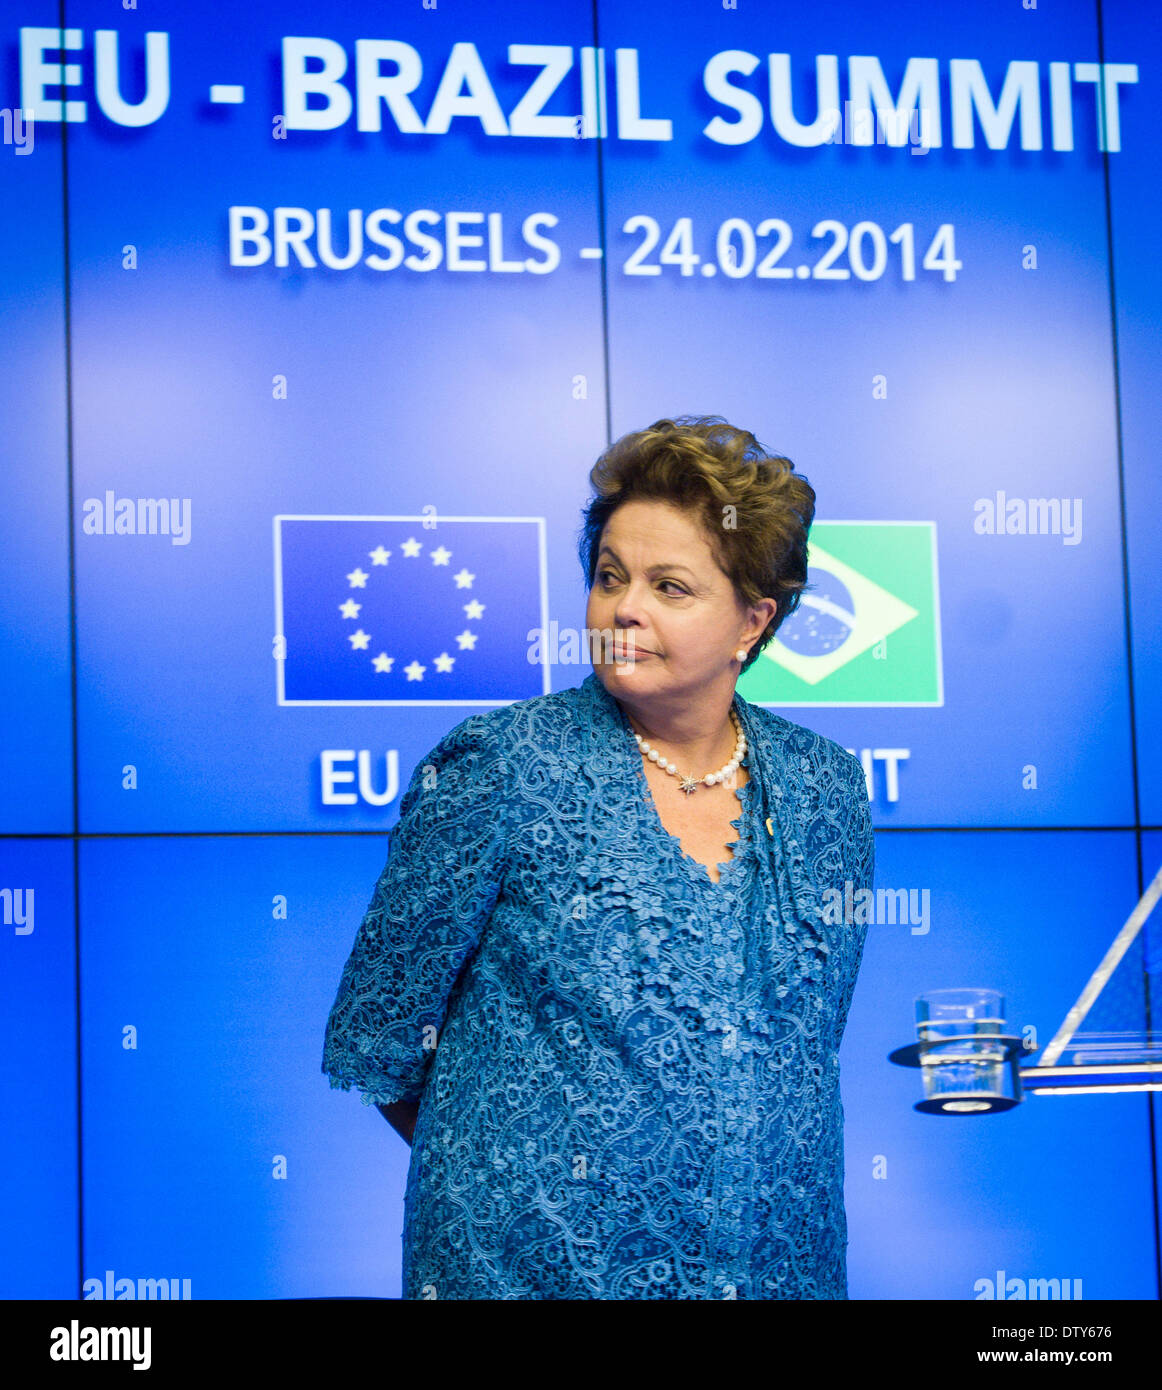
point(627, 1074)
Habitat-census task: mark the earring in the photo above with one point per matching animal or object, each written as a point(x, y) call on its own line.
point(741, 655)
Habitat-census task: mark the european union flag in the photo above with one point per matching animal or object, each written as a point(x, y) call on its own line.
point(409, 609)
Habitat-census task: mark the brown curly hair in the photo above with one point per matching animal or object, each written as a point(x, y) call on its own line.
point(699, 463)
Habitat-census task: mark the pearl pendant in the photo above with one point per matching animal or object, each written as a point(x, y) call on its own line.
point(689, 784)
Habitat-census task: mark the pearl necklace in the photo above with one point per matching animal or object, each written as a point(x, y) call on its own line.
point(690, 784)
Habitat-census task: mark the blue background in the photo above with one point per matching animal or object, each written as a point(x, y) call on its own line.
point(260, 392)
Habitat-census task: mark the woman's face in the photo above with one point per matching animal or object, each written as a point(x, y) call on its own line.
point(658, 588)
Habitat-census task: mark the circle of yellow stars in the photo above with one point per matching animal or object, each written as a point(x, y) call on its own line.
point(360, 641)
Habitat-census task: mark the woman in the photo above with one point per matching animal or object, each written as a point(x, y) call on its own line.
point(595, 974)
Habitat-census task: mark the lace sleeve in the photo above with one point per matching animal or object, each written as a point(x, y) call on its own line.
point(859, 859)
point(860, 839)
point(443, 873)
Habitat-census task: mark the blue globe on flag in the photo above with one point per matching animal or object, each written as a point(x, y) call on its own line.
point(824, 619)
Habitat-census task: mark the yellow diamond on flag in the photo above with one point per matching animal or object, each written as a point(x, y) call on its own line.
point(877, 613)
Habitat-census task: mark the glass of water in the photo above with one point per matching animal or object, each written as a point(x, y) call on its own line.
point(961, 1060)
